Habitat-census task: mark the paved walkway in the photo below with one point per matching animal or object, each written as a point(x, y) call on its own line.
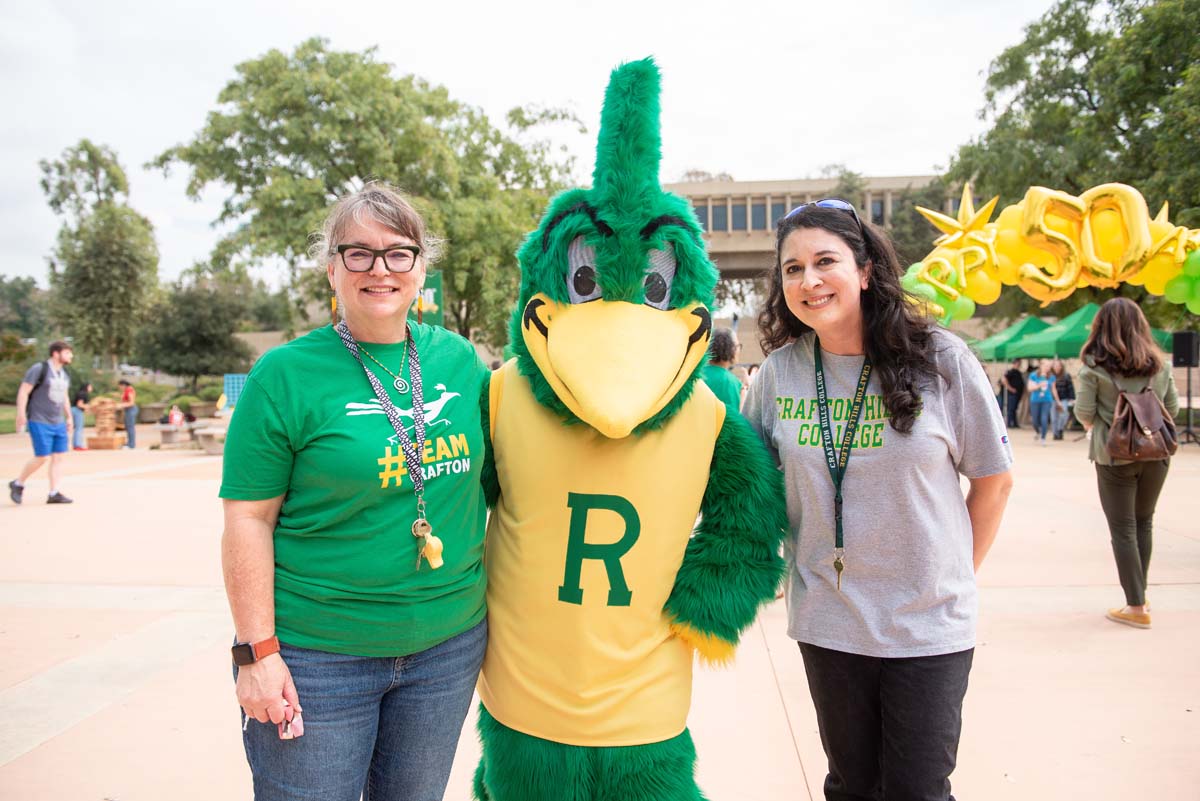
point(115, 679)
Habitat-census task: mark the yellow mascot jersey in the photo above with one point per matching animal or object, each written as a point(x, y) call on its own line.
point(582, 551)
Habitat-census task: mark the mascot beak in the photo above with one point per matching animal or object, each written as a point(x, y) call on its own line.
point(615, 364)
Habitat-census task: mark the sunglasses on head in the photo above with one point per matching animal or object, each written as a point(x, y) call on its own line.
point(828, 203)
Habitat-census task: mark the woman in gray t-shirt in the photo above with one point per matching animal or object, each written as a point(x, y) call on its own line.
point(883, 547)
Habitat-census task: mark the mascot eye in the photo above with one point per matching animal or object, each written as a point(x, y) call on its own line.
point(581, 275)
point(658, 280)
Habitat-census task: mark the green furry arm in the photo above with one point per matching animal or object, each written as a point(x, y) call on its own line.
point(489, 478)
point(732, 564)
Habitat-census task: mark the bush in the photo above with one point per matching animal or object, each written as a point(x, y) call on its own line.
point(152, 393)
point(11, 374)
point(185, 402)
point(210, 393)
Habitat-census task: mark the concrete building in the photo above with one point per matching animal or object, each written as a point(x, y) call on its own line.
point(739, 216)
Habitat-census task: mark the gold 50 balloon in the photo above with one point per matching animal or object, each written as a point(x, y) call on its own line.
point(1052, 243)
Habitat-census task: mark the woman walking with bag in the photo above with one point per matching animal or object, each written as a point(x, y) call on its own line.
point(1120, 357)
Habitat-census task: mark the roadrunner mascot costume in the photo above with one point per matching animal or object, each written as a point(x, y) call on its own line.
point(607, 447)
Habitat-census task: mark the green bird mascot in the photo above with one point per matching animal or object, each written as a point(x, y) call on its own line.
point(601, 585)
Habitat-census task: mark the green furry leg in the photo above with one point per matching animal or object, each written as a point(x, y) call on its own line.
point(518, 767)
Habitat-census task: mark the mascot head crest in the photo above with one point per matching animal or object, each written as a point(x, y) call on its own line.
point(613, 322)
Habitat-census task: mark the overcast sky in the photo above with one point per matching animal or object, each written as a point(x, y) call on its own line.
point(759, 90)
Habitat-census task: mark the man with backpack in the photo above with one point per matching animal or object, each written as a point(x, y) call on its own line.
point(42, 405)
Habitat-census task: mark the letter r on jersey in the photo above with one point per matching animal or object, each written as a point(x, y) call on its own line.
point(579, 549)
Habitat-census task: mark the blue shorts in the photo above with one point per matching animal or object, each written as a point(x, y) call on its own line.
point(48, 438)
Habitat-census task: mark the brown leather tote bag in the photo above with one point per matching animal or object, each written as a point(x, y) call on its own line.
point(1141, 430)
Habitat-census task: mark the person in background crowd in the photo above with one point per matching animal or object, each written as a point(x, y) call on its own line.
point(888, 643)
point(78, 409)
point(722, 351)
point(1014, 386)
point(42, 405)
point(129, 405)
point(1120, 354)
point(1041, 399)
point(1064, 397)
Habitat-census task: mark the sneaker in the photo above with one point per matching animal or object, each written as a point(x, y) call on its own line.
point(16, 491)
point(80, 448)
point(58, 497)
point(1120, 615)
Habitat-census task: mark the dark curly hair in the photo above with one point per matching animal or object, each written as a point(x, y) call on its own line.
point(722, 347)
point(898, 339)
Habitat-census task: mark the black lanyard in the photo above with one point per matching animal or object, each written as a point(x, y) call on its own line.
point(834, 461)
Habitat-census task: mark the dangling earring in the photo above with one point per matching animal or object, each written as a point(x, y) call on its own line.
point(333, 309)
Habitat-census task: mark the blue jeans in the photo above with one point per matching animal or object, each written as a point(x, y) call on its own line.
point(381, 727)
point(1059, 417)
point(1040, 412)
point(131, 427)
point(77, 420)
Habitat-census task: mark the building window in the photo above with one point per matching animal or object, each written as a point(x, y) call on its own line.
point(777, 212)
point(702, 216)
point(758, 216)
point(720, 217)
point(877, 211)
point(739, 217)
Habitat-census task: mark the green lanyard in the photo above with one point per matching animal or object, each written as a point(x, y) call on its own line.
point(835, 462)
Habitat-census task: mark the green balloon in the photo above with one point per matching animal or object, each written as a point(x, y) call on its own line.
point(1193, 305)
point(1178, 289)
point(913, 269)
point(924, 291)
point(1191, 265)
point(962, 309)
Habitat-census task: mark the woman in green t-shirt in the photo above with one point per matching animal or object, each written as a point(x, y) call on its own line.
point(354, 523)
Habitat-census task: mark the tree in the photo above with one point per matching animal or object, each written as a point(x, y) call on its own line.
point(1099, 91)
point(295, 132)
point(22, 307)
point(86, 176)
point(101, 276)
point(851, 186)
point(911, 233)
point(193, 332)
point(106, 261)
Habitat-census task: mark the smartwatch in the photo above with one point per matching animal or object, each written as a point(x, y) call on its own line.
point(247, 653)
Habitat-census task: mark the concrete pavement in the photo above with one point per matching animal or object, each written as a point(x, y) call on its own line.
point(115, 679)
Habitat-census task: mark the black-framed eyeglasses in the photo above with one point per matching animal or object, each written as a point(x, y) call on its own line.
point(397, 259)
point(829, 203)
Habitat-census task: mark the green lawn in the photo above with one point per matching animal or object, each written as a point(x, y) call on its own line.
point(8, 416)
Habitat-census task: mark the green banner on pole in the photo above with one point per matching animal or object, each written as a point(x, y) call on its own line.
point(429, 303)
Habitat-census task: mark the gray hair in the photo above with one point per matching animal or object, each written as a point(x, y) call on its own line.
point(379, 201)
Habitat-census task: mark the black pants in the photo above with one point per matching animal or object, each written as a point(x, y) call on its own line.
point(889, 727)
point(1128, 495)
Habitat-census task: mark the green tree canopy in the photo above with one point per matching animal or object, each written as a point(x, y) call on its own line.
point(292, 133)
point(85, 176)
point(105, 263)
point(102, 275)
point(22, 307)
point(191, 332)
point(1099, 91)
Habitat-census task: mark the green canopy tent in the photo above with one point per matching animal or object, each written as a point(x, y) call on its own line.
point(1066, 337)
point(995, 347)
